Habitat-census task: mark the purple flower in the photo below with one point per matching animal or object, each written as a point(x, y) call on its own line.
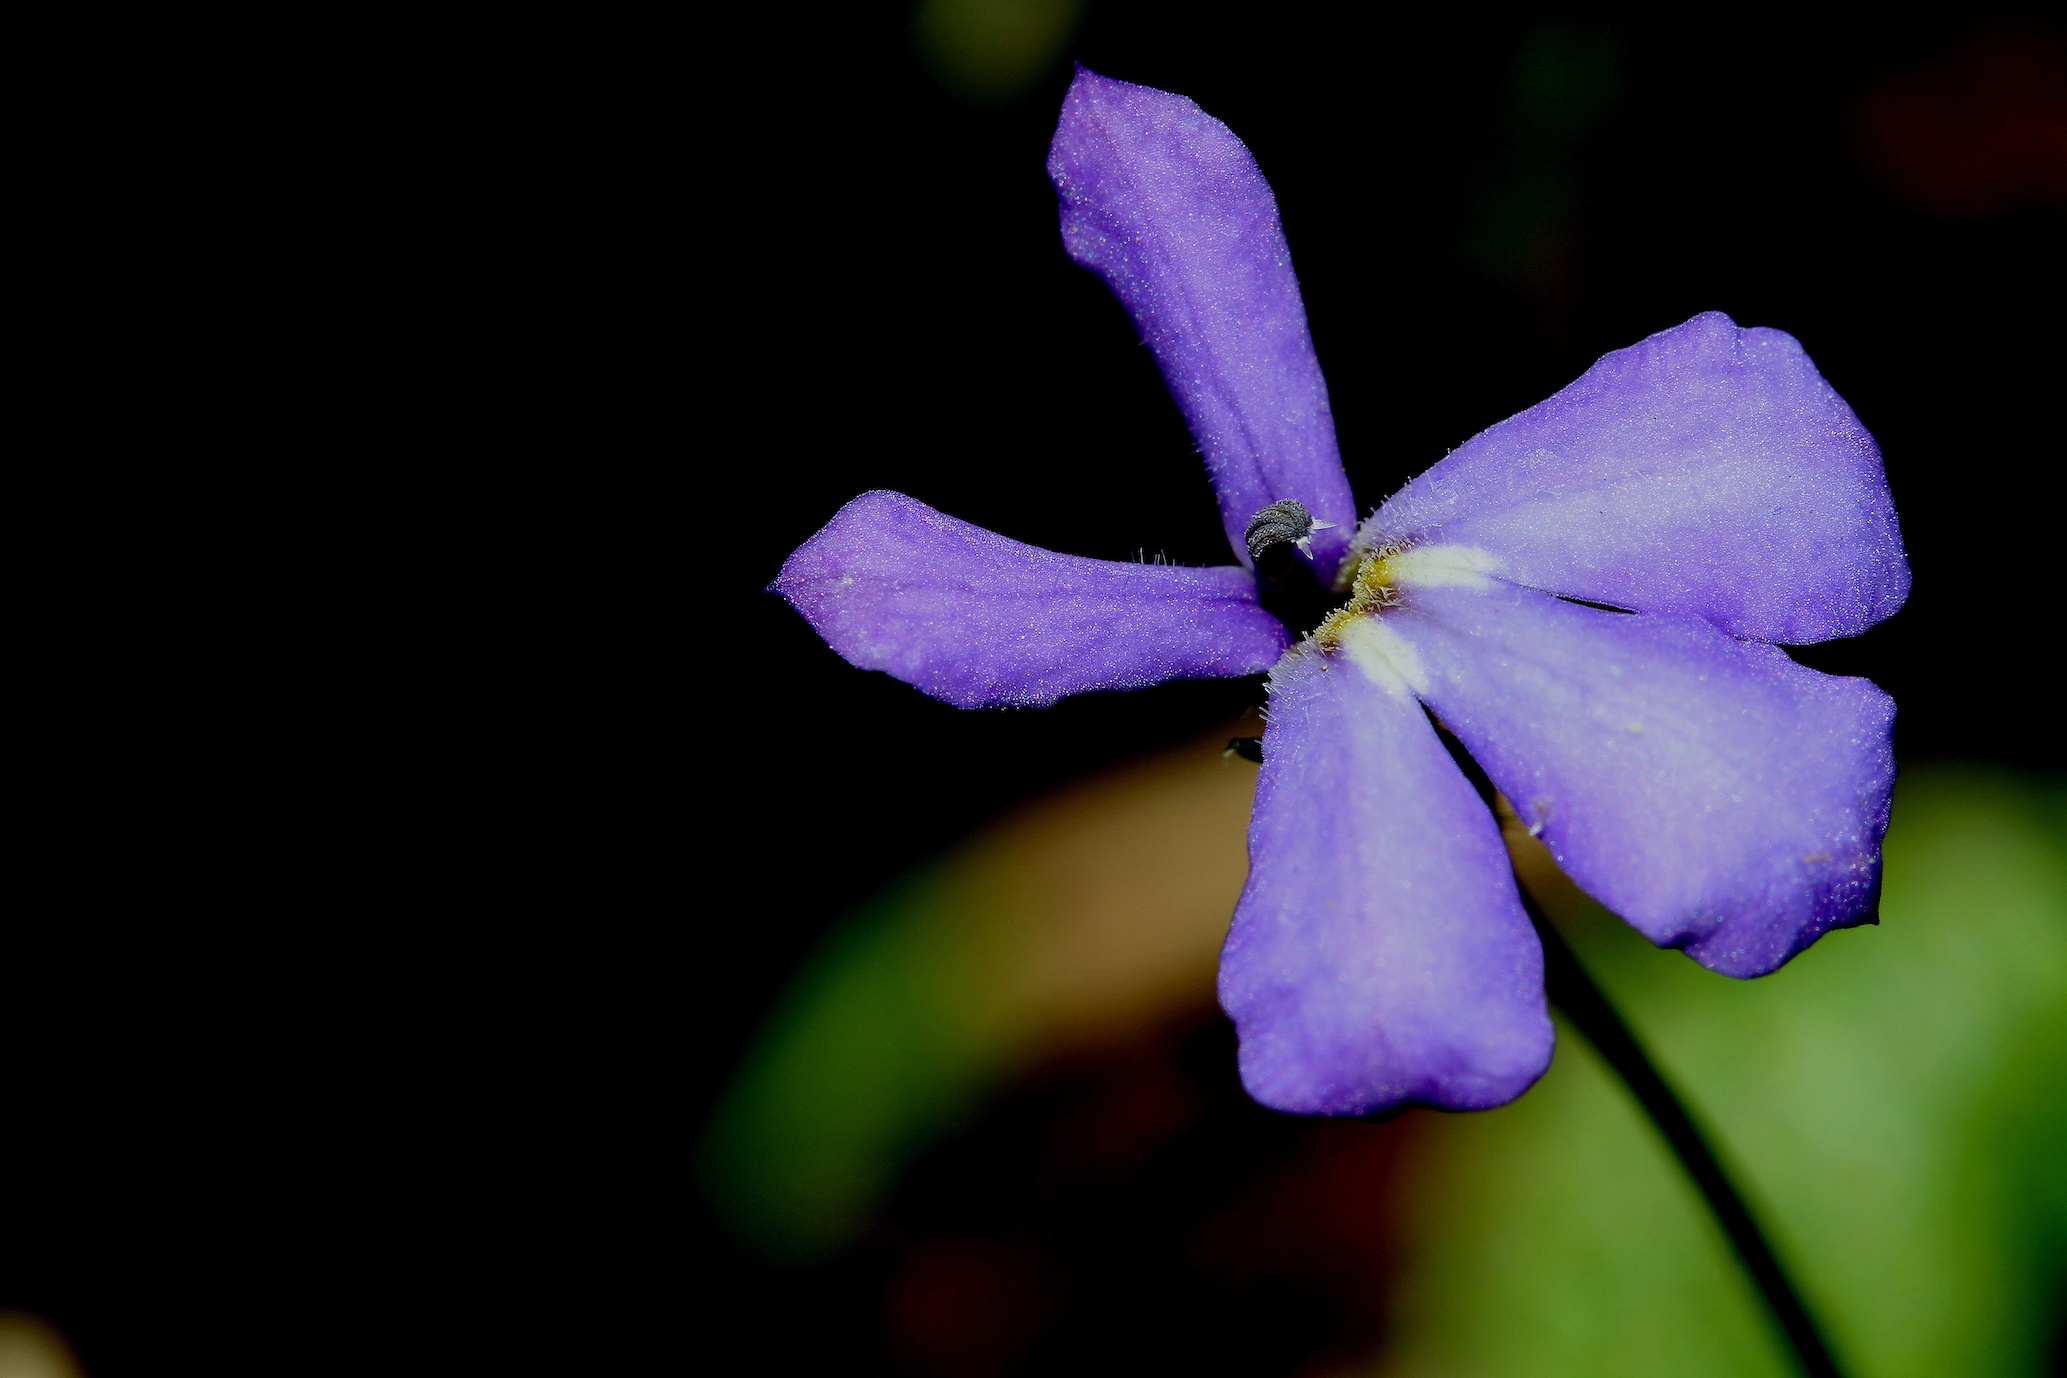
point(1681, 768)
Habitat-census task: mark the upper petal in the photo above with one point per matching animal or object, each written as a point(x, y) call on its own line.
point(1162, 201)
point(983, 621)
point(1708, 470)
point(1712, 792)
point(1379, 953)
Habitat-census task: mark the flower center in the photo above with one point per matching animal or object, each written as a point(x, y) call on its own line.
point(1374, 585)
point(1382, 577)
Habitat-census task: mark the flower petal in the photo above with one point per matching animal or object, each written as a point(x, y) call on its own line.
point(1379, 954)
point(982, 621)
point(1162, 201)
point(1712, 792)
point(1708, 470)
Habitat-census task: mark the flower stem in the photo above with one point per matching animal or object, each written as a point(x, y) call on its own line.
point(1582, 1002)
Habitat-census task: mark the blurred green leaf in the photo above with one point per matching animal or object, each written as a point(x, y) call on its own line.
point(1894, 1101)
point(876, 1049)
point(1093, 910)
point(993, 51)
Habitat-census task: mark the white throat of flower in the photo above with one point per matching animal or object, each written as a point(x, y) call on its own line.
point(1383, 579)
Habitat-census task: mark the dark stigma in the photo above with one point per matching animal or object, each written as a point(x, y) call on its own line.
point(1273, 534)
point(1284, 585)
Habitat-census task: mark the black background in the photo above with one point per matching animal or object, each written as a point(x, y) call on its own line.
point(468, 801)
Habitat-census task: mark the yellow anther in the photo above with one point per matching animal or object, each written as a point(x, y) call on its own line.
point(1370, 590)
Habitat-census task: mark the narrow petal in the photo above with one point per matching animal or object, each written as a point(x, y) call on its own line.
point(1712, 792)
point(985, 622)
point(1162, 201)
point(1379, 954)
point(1708, 470)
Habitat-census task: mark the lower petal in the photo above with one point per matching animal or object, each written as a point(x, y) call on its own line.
point(1713, 793)
point(984, 621)
point(1379, 954)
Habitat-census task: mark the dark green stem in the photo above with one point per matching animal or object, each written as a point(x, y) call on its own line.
point(1582, 1002)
